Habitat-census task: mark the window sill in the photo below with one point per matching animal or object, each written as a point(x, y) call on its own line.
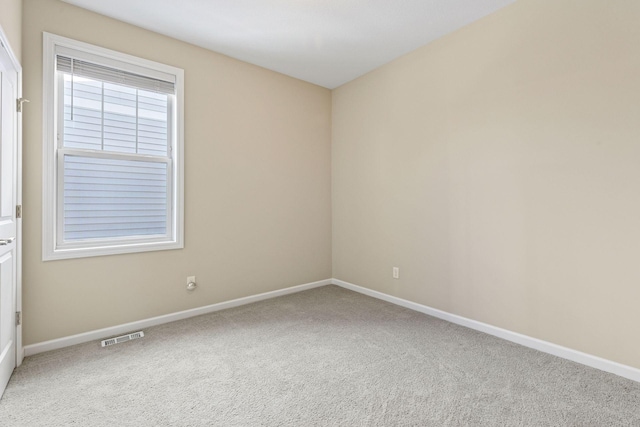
point(114, 249)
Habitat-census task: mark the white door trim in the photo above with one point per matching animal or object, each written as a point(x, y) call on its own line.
point(18, 253)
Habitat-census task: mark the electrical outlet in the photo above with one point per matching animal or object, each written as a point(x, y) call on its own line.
point(396, 273)
point(191, 283)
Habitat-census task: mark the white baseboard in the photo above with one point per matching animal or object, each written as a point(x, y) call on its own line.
point(100, 334)
point(527, 341)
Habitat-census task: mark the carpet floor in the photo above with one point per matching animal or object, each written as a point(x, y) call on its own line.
point(323, 357)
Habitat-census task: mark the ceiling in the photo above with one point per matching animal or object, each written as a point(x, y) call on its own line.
point(326, 42)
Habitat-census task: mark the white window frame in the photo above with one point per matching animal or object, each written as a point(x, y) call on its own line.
point(52, 158)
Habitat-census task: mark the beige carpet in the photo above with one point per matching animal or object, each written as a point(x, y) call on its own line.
point(324, 357)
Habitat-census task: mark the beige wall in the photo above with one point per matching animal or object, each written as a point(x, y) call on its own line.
point(11, 23)
point(499, 169)
point(258, 216)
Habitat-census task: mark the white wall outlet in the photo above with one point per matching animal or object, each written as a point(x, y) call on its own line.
point(191, 283)
point(396, 273)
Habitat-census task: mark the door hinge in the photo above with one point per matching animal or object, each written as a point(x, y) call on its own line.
point(19, 211)
point(18, 318)
point(19, 103)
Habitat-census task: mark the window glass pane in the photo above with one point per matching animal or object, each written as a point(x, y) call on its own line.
point(82, 113)
point(111, 117)
point(119, 118)
point(112, 198)
point(152, 123)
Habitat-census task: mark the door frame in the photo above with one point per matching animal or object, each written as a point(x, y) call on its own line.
point(18, 250)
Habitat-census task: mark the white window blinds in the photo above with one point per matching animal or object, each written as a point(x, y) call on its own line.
point(103, 73)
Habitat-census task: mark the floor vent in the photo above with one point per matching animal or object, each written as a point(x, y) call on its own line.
point(121, 339)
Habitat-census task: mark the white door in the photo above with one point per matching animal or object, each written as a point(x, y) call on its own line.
point(8, 223)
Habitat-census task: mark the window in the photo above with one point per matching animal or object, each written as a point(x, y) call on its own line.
point(113, 164)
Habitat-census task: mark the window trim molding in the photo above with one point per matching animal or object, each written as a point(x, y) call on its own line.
point(50, 250)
